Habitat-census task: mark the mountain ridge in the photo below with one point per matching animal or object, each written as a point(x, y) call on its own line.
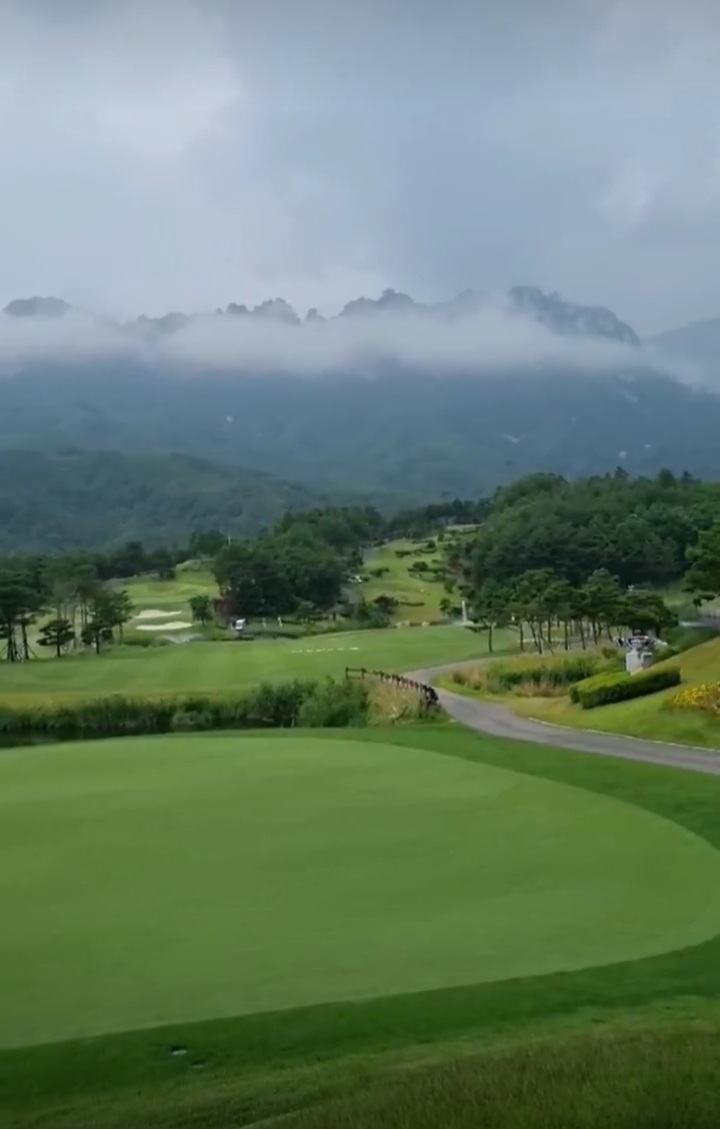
point(548, 309)
point(446, 414)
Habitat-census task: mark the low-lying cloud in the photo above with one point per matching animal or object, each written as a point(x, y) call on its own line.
point(177, 152)
point(488, 341)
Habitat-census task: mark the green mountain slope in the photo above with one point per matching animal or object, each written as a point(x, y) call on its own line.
point(58, 500)
point(392, 397)
point(422, 435)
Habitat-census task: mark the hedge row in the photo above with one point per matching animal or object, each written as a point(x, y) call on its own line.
point(270, 705)
point(603, 689)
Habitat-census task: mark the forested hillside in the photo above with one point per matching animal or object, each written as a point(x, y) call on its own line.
point(50, 501)
point(401, 401)
point(597, 549)
point(420, 436)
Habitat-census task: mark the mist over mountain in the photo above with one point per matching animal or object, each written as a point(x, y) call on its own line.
point(471, 332)
point(390, 397)
point(694, 349)
point(198, 262)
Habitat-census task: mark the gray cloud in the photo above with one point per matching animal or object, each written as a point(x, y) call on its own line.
point(180, 154)
point(487, 341)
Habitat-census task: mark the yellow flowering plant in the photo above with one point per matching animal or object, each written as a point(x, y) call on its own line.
point(705, 697)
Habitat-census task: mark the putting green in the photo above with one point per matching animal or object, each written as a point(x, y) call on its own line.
point(176, 878)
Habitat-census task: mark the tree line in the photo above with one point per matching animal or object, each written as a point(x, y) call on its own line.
point(551, 610)
point(300, 566)
point(639, 529)
point(79, 604)
point(550, 555)
point(583, 554)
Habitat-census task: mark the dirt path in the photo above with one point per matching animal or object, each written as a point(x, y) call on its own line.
point(486, 717)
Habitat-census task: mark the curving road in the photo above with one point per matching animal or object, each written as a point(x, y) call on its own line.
point(497, 721)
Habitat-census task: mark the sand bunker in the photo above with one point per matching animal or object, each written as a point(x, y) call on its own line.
point(174, 625)
point(154, 613)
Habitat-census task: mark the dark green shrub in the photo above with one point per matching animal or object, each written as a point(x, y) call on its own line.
point(603, 689)
point(191, 721)
point(334, 705)
point(74, 719)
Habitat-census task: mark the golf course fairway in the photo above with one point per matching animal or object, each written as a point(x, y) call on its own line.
point(153, 880)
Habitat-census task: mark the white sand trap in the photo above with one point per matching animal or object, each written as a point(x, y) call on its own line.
point(155, 613)
point(174, 625)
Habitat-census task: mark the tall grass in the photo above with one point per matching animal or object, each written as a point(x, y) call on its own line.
point(536, 676)
point(270, 705)
point(665, 1080)
point(389, 705)
point(327, 703)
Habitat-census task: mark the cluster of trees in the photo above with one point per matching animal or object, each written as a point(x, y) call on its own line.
point(299, 567)
point(640, 529)
point(80, 606)
point(544, 602)
point(703, 576)
point(579, 553)
point(345, 529)
point(425, 520)
point(73, 589)
point(547, 552)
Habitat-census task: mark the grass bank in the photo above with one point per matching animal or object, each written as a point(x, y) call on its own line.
point(418, 595)
point(231, 665)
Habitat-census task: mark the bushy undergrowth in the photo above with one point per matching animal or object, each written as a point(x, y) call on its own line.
point(334, 705)
point(312, 704)
point(535, 675)
point(73, 718)
point(606, 688)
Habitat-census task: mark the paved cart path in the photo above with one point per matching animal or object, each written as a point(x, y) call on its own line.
point(487, 717)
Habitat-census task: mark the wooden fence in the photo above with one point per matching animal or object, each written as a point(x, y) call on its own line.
point(426, 692)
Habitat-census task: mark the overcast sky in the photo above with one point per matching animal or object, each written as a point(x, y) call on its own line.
point(181, 154)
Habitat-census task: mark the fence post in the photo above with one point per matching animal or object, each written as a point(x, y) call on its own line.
point(427, 693)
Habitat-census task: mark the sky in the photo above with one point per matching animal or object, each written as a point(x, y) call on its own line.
point(183, 154)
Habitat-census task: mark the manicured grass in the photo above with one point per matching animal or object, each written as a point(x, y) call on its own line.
point(167, 879)
point(643, 717)
point(171, 595)
point(230, 665)
point(419, 597)
point(659, 1015)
